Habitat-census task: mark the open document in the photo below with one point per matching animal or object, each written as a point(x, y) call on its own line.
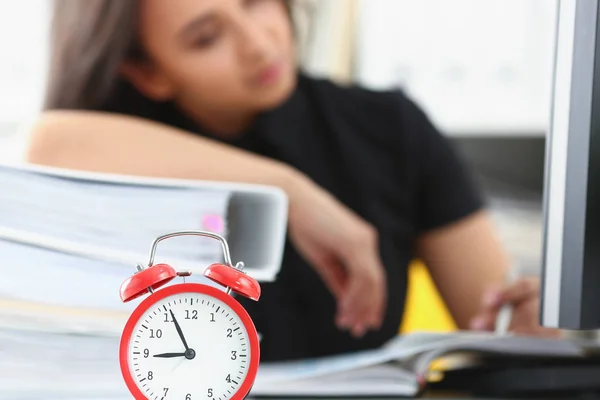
point(401, 368)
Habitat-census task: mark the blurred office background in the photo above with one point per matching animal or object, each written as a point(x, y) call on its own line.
point(480, 68)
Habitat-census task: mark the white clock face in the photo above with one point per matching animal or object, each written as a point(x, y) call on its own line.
point(218, 353)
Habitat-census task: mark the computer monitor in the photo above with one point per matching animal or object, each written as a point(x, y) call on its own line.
point(571, 248)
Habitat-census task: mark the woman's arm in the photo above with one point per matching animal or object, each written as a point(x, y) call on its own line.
point(465, 260)
point(469, 268)
point(114, 143)
point(457, 240)
point(339, 244)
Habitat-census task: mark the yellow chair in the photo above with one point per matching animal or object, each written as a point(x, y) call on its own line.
point(425, 309)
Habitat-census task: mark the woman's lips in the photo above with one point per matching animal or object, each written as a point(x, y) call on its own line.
point(269, 74)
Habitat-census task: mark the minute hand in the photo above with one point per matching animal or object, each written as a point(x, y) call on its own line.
point(179, 330)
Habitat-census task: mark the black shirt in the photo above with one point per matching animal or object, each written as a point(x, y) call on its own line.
point(377, 153)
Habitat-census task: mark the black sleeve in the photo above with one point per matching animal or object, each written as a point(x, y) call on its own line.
point(446, 189)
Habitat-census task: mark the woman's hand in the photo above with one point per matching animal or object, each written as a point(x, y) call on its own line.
point(524, 296)
point(344, 251)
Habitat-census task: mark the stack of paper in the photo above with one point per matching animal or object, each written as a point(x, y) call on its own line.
point(39, 275)
point(68, 239)
point(117, 217)
point(49, 366)
point(113, 216)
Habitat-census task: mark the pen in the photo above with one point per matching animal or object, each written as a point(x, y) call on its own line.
point(505, 314)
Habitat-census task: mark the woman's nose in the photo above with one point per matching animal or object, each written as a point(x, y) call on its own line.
point(255, 43)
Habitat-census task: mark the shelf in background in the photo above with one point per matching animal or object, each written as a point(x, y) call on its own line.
point(517, 216)
point(510, 172)
point(475, 132)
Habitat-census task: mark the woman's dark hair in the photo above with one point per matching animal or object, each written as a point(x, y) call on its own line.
point(89, 40)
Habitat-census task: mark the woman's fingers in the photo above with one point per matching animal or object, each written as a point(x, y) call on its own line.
point(523, 289)
point(522, 295)
point(333, 275)
point(363, 303)
point(483, 322)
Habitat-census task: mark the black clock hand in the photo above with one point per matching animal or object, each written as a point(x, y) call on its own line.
point(169, 355)
point(179, 330)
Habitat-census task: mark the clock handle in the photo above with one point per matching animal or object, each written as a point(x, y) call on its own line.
point(228, 275)
point(146, 280)
point(224, 245)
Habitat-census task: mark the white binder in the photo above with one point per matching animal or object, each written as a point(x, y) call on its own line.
point(55, 231)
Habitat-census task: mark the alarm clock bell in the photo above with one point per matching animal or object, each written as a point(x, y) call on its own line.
point(146, 280)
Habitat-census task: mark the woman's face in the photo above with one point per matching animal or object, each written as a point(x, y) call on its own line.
point(219, 55)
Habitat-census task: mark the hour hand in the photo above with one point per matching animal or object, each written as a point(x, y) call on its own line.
point(169, 355)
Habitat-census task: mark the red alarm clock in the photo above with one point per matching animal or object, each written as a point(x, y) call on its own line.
point(189, 341)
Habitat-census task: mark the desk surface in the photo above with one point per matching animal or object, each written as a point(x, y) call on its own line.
point(425, 397)
point(433, 397)
point(68, 367)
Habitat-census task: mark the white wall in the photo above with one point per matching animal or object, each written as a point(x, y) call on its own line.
point(477, 66)
point(23, 61)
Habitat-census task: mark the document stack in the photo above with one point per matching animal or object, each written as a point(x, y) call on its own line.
point(69, 238)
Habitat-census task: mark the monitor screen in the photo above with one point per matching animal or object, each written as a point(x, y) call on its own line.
point(571, 248)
